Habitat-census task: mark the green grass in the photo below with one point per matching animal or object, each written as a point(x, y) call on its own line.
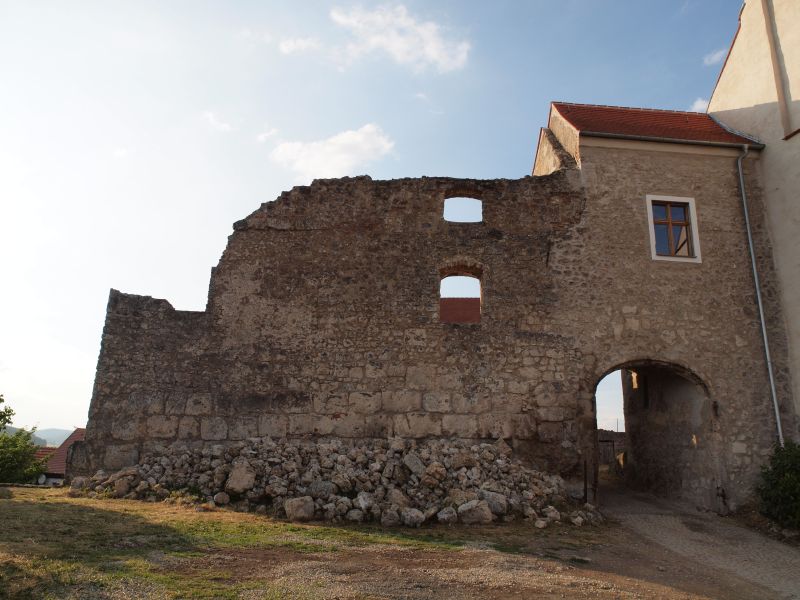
point(54, 546)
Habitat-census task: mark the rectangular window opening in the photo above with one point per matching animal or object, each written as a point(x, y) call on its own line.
point(460, 299)
point(673, 228)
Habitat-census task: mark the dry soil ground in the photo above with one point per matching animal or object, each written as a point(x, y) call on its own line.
point(53, 546)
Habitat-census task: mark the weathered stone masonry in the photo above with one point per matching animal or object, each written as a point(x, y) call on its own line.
point(322, 320)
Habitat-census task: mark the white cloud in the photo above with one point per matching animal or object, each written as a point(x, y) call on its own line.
point(714, 58)
point(292, 45)
point(407, 41)
point(421, 96)
point(699, 105)
point(120, 152)
point(335, 156)
point(216, 123)
point(266, 134)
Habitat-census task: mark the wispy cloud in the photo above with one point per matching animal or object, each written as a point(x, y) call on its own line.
point(699, 105)
point(407, 41)
point(265, 135)
point(216, 123)
point(715, 57)
point(336, 156)
point(292, 45)
point(423, 97)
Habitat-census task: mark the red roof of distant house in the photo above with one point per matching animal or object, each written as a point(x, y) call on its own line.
point(43, 452)
point(57, 465)
point(650, 123)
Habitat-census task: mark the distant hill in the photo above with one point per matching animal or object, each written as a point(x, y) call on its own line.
point(53, 435)
point(39, 441)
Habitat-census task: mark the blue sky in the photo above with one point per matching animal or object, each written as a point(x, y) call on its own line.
point(133, 134)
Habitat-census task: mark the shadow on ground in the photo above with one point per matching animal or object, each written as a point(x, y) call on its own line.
point(62, 549)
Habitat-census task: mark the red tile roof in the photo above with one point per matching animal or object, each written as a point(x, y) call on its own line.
point(57, 465)
point(460, 310)
point(649, 123)
point(43, 452)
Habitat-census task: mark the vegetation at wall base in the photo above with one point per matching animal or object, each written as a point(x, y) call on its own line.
point(779, 490)
point(18, 462)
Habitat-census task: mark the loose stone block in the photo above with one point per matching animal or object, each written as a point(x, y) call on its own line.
point(299, 509)
point(475, 512)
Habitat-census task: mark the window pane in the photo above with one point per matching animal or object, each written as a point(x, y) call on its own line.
point(659, 211)
point(662, 240)
point(678, 212)
point(680, 234)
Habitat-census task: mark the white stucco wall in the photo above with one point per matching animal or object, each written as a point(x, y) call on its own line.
point(747, 99)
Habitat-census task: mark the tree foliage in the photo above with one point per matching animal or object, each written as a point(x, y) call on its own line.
point(18, 462)
point(5, 414)
point(780, 486)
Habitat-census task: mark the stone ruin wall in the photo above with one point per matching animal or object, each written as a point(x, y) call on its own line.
point(322, 318)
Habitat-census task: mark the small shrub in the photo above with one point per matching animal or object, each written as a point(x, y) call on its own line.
point(780, 486)
point(18, 462)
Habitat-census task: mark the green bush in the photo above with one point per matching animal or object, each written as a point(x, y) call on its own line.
point(780, 486)
point(18, 462)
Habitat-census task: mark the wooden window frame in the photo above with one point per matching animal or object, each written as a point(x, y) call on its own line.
point(691, 223)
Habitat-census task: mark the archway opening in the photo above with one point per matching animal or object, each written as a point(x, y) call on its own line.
point(667, 441)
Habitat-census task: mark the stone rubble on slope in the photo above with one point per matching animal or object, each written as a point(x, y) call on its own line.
point(392, 482)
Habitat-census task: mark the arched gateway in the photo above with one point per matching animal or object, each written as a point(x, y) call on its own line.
point(673, 445)
point(323, 319)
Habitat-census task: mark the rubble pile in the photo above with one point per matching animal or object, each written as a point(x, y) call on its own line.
point(394, 482)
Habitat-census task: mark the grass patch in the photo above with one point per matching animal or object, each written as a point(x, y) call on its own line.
point(54, 546)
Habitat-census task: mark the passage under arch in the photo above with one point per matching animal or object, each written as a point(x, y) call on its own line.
point(668, 434)
point(461, 209)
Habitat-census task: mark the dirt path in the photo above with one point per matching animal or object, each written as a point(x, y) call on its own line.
point(714, 543)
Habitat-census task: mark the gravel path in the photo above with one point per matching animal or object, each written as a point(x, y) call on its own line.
point(710, 540)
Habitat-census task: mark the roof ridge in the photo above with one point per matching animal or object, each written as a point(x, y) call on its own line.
point(643, 109)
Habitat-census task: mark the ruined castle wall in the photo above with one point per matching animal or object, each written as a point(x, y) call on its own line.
point(153, 378)
point(322, 318)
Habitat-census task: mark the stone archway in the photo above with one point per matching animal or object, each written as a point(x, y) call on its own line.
point(672, 445)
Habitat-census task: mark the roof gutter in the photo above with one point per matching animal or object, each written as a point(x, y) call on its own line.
point(647, 138)
point(745, 151)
